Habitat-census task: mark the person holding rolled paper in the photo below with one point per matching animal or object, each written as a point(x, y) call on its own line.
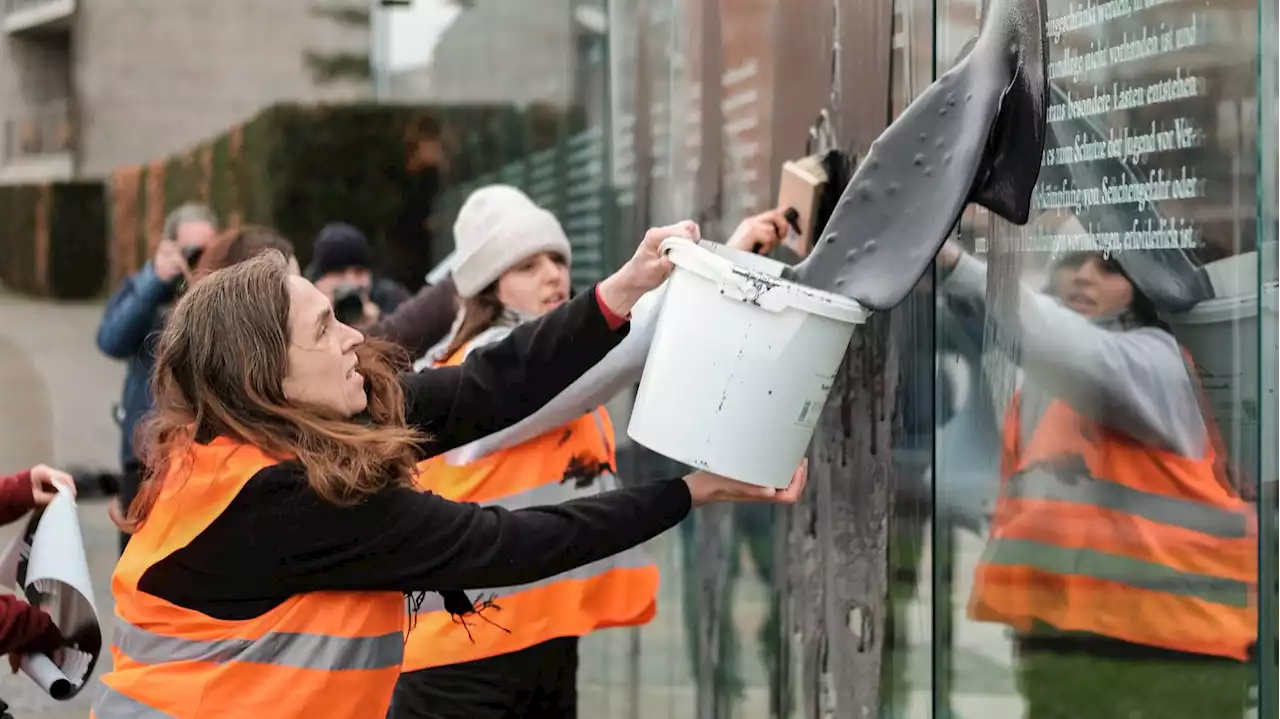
point(26, 629)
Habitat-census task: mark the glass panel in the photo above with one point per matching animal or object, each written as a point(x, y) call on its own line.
point(646, 65)
point(908, 681)
point(730, 593)
point(1098, 482)
point(713, 648)
point(1269, 357)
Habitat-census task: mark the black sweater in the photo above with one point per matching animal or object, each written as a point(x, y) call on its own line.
point(277, 538)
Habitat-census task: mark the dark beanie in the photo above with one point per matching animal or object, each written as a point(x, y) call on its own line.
point(338, 247)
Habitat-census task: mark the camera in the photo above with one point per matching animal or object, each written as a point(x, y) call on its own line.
point(192, 253)
point(348, 303)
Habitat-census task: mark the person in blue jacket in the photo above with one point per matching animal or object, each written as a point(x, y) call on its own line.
point(133, 317)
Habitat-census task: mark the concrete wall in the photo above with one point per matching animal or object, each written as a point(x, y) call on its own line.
point(506, 51)
point(412, 85)
point(33, 73)
point(154, 76)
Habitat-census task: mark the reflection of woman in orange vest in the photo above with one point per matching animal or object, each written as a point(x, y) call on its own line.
point(512, 266)
point(282, 524)
point(1119, 552)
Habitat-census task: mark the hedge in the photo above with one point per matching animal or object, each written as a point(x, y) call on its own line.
point(297, 167)
point(52, 239)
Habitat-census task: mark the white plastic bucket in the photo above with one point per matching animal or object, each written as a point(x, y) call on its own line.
point(740, 366)
point(1223, 337)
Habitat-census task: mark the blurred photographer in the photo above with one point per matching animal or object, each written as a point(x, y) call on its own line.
point(229, 248)
point(136, 312)
point(342, 269)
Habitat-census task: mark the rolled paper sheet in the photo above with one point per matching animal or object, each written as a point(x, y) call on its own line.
point(610, 376)
point(47, 565)
point(47, 676)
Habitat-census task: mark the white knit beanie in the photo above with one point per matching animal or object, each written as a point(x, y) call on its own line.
point(497, 228)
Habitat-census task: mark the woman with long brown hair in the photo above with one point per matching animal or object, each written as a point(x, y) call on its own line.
point(280, 523)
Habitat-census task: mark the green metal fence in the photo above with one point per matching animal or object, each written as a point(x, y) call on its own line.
point(568, 179)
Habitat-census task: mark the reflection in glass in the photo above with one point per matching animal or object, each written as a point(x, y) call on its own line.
point(713, 649)
point(1107, 443)
point(1269, 360)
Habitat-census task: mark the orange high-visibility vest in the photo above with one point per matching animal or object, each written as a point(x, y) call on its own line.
point(317, 655)
point(575, 460)
point(1096, 533)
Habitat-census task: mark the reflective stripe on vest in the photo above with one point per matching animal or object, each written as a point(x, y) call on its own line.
point(282, 649)
point(1037, 483)
point(556, 492)
point(1116, 568)
point(571, 462)
point(1094, 533)
point(114, 705)
point(314, 656)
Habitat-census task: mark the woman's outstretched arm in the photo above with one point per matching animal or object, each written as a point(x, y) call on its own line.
point(278, 538)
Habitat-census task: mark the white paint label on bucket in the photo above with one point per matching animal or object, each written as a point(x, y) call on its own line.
point(811, 410)
point(809, 413)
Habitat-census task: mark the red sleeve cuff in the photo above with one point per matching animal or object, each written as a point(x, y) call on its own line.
point(25, 629)
point(614, 321)
point(16, 497)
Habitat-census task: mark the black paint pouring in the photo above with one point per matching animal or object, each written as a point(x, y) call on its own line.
point(976, 134)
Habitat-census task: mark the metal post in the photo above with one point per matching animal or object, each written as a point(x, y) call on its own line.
point(376, 41)
point(802, 56)
point(380, 45)
point(851, 474)
point(714, 535)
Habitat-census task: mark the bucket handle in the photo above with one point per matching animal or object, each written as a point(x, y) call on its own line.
point(732, 281)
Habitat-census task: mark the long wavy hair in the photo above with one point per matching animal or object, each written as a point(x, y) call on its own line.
point(220, 368)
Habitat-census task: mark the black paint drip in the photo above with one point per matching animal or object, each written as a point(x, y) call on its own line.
point(583, 470)
point(976, 134)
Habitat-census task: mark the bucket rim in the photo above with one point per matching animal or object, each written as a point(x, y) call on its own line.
point(687, 254)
